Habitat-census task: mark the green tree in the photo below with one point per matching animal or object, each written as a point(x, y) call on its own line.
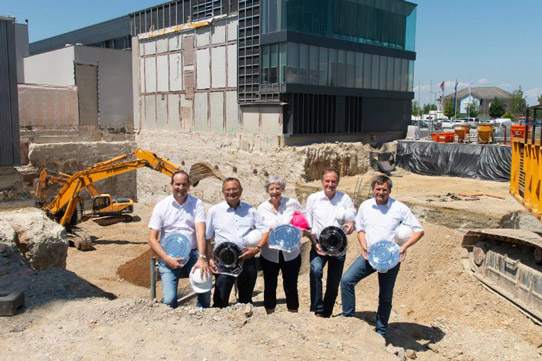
point(518, 104)
point(449, 109)
point(497, 108)
point(472, 109)
point(540, 99)
point(508, 115)
point(428, 107)
point(416, 108)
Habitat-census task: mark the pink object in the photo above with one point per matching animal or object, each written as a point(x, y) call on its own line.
point(299, 220)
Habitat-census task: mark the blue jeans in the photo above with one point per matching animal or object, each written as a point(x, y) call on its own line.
point(386, 281)
point(170, 282)
point(324, 306)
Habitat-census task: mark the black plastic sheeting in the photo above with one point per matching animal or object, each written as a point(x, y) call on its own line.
point(484, 161)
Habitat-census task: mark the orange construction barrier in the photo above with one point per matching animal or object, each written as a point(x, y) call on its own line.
point(462, 131)
point(443, 137)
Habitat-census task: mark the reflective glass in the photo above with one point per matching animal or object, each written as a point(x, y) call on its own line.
point(323, 64)
point(342, 68)
point(303, 63)
point(350, 69)
point(375, 71)
point(313, 65)
point(333, 75)
point(367, 69)
point(359, 71)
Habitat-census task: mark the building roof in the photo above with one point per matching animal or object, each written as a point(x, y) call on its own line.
point(488, 92)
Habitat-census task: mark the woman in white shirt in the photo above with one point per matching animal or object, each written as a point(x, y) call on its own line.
point(276, 211)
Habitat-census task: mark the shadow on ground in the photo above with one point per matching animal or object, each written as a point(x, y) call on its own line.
point(408, 335)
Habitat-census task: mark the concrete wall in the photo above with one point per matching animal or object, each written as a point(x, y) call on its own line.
point(76, 156)
point(251, 160)
point(114, 84)
point(187, 82)
point(46, 106)
point(52, 68)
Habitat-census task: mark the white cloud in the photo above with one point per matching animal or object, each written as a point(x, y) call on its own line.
point(483, 81)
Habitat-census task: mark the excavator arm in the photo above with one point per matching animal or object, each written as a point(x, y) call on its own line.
point(65, 202)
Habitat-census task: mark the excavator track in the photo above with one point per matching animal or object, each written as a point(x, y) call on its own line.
point(509, 263)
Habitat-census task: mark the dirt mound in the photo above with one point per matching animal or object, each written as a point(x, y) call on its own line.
point(137, 271)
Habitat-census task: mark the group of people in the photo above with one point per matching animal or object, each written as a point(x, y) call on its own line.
point(232, 219)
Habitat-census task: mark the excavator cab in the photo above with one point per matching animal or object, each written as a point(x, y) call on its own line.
point(103, 205)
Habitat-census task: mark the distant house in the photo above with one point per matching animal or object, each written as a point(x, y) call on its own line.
point(483, 95)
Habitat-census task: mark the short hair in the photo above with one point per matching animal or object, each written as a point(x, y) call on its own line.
point(179, 172)
point(329, 170)
point(381, 179)
point(274, 179)
point(232, 179)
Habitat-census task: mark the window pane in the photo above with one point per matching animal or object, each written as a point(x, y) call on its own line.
point(273, 73)
point(410, 75)
point(282, 63)
point(342, 68)
point(389, 73)
point(367, 71)
point(397, 75)
point(323, 78)
point(333, 75)
point(375, 71)
point(350, 69)
point(404, 75)
point(293, 63)
point(383, 73)
point(303, 64)
point(265, 64)
point(358, 83)
point(313, 72)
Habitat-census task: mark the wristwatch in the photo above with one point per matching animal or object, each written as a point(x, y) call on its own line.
point(201, 255)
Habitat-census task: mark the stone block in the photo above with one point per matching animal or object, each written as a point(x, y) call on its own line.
point(10, 302)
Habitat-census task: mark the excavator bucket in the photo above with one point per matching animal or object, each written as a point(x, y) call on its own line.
point(201, 170)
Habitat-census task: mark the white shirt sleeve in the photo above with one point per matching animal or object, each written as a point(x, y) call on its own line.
point(409, 219)
point(360, 223)
point(209, 225)
point(309, 210)
point(199, 216)
point(258, 222)
point(156, 220)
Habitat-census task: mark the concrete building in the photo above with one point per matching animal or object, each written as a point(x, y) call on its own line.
point(78, 86)
point(295, 72)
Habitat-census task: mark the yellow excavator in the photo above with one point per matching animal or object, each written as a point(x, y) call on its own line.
point(66, 208)
point(509, 261)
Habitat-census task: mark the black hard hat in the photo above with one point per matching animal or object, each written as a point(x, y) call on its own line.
point(333, 241)
point(226, 256)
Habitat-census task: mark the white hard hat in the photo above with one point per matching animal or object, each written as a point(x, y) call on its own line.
point(199, 282)
point(402, 234)
point(343, 215)
point(252, 238)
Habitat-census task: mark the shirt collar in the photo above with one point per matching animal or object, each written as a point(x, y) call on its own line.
point(186, 202)
point(323, 196)
point(387, 205)
point(228, 207)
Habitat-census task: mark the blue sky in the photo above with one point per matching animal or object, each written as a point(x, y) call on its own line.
point(486, 42)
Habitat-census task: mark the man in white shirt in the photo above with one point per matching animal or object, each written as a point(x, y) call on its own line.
point(377, 220)
point(185, 214)
point(229, 221)
point(321, 208)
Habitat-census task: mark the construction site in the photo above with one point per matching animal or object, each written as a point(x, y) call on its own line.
point(91, 134)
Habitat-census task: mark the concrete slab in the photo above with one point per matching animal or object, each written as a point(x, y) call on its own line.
point(162, 73)
point(175, 42)
point(142, 79)
point(218, 67)
point(271, 126)
point(161, 45)
point(217, 112)
point(232, 29)
point(202, 36)
point(11, 302)
point(173, 119)
point(150, 112)
point(175, 72)
point(232, 66)
point(218, 35)
point(232, 113)
point(201, 107)
point(150, 75)
point(186, 113)
point(251, 120)
point(161, 111)
point(203, 76)
point(150, 47)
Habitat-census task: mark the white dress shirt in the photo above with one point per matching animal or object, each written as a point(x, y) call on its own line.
point(321, 210)
point(230, 225)
point(170, 217)
point(379, 221)
point(272, 219)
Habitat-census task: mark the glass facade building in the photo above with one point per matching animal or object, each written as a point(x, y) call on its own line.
point(338, 66)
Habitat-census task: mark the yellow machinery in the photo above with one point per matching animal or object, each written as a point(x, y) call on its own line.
point(509, 261)
point(66, 209)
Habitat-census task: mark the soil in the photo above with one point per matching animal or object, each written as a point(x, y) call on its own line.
point(440, 311)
